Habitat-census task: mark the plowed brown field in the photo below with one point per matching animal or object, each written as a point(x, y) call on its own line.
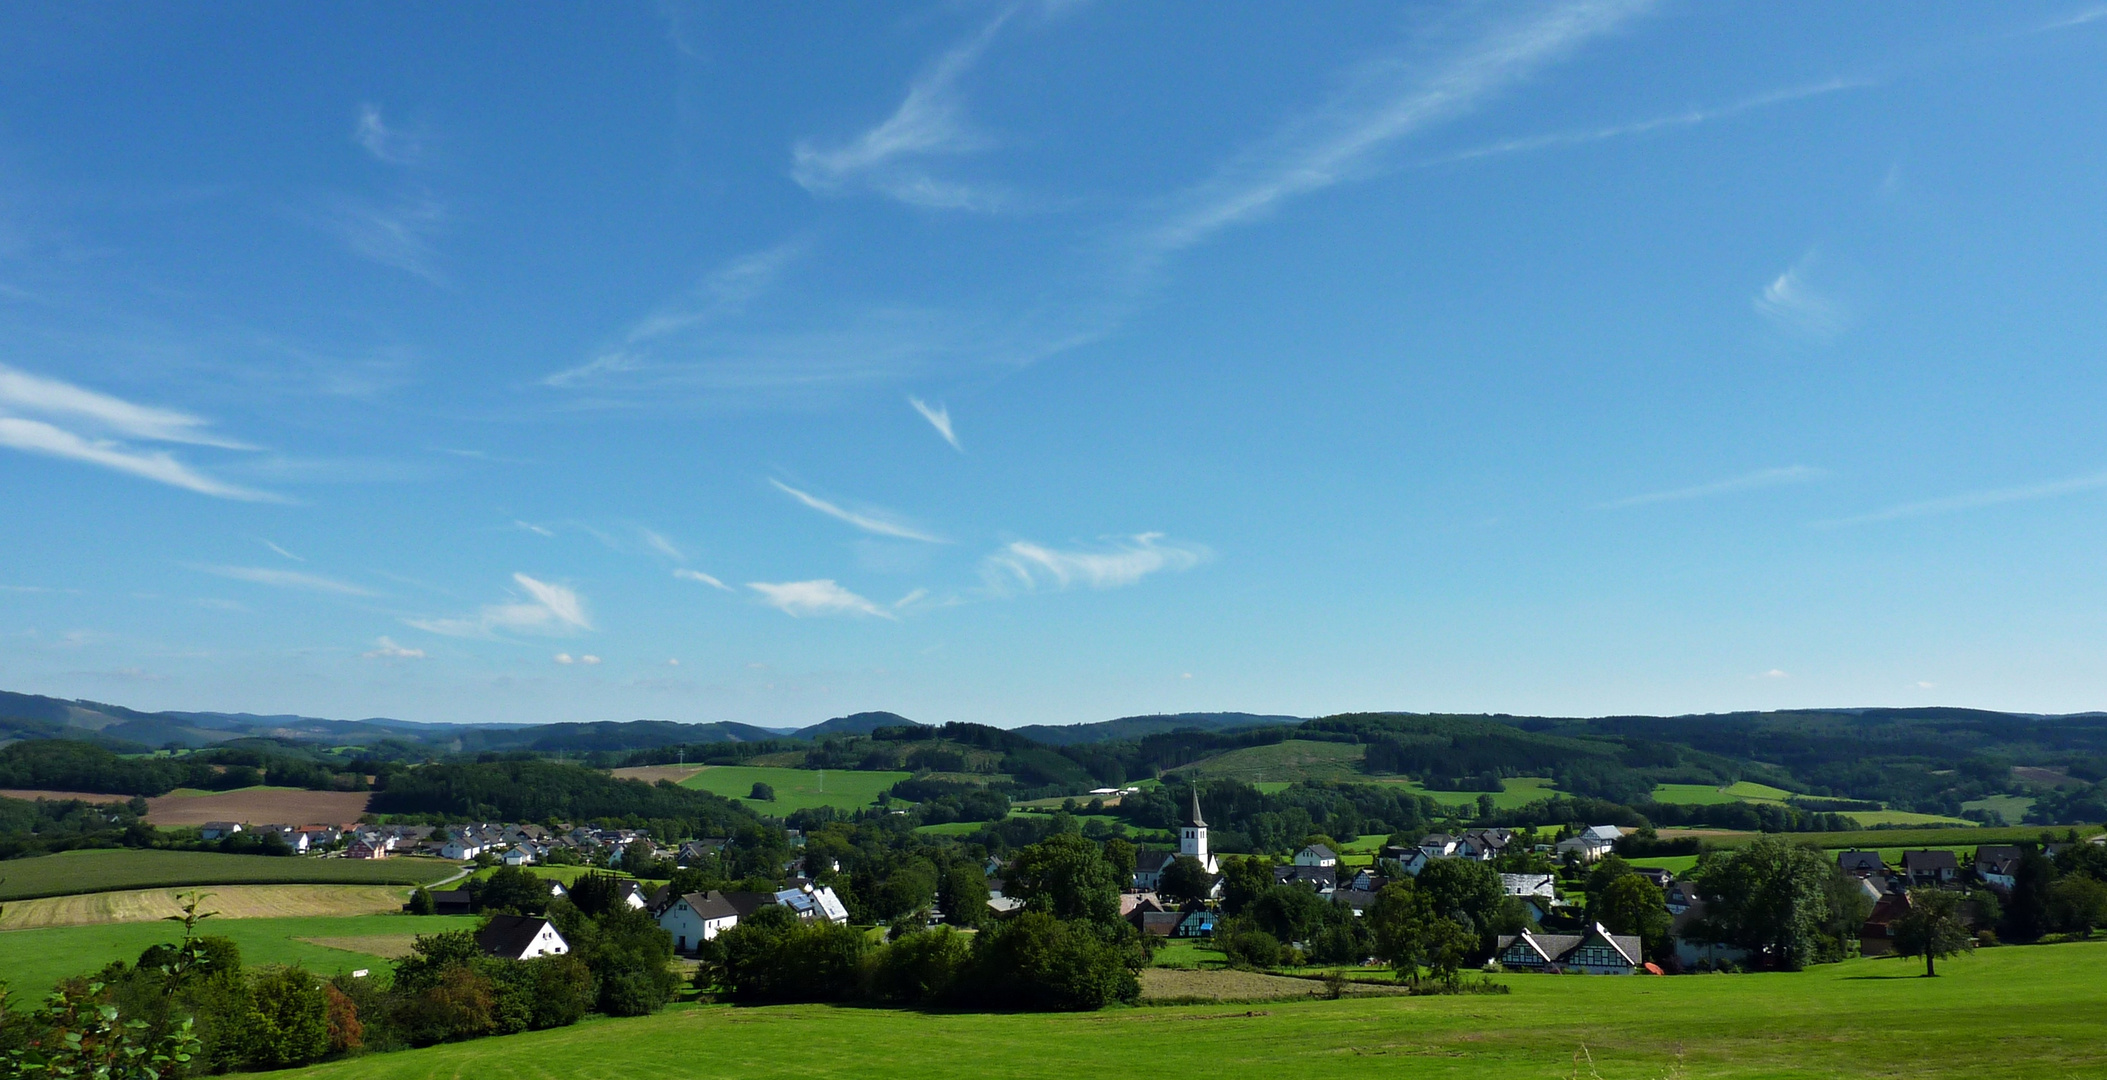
point(259, 806)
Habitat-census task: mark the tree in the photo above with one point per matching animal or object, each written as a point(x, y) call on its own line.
point(1769, 898)
point(2026, 912)
point(1933, 928)
point(1036, 961)
point(2077, 904)
point(1122, 856)
point(962, 893)
point(762, 792)
point(84, 1036)
point(1633, 905)
point(1067, 877)
point(515, 890)
point(1243, 879)
point(1411, 931)
point(1469, 893)
point(288, 1019)
point(1185, 878)
point(421, 902)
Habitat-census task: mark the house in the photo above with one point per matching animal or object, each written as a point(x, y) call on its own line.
point(1539, 891)
point(1691, 948)
point(629, 892)
point(520, 937)
point(292, 838)
point(814, 902)
point(1596, 952)
point(519, 856)
point(1877, 936)
point(693, 918)
point(1160, 923)
point(452, 902)
point(1412, 861)
point(1930, 867)
point(218, 830)
point(1316, 855)
point(1658, 876)
point(1862, 863)
point(365, 849)
point(1195, 924)
point(460, 848)
point(1323, 879)
point(1997, 865)
point(1438, 845)
point(1680, 896)
point(1592, 844)
point(697, 852)
point(1367, 880)
point(1483, 845)
point(1356, 900)
point(1148, 869)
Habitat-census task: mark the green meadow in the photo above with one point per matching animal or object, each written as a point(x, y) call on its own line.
point(103, 869)
point(32, 961)
point(2001, 1013)
point(795, 789)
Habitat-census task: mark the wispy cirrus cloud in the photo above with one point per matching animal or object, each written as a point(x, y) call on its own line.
point(870, 521)
point(685, 574)
point(281, 551)
point(398, 232)
point(1793, 303)
point(939, 418)
point(287, 579)
point(894, 158)
point(1761, 478)
point(1385, 103)
point(1690, 117)
point(1030, 566)
point(386, 649)
point(54, 418)
point(819, 597)
point(547, 608)
point(657, 542)
point(391, 145)
point(1976, 500)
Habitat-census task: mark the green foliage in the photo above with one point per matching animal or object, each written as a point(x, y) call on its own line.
point(762, 792)
point(81, 1034)
point(536, 790)
point(1932, 929)
point(962, 894)
point(510, 889)
point(421, 902)
point(1633, 905)
point(1066, 877)
point(2077, 904)
point(1036, 961)
point(1770, 898)
point(772, 955)
point(1185, 878)
point(288, 1019)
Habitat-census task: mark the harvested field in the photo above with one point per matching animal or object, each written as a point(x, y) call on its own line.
point(229, 901)
point(97, 870)
point(84, 796)
point(652, 774)
point(1172, 984)
point(259, 806)
point(385, 946)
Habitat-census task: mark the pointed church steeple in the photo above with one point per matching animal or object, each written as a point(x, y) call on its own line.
point(1197, 820)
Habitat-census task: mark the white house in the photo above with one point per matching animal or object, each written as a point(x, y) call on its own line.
point(1316, 855)
point(1592, 844)
point(460, 848)
point(1595, 952)
point(519, 856)
point(215, 830)
point(693, 918)
point(520, 937)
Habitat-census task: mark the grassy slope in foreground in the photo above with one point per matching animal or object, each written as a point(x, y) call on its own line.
point(32, 961)
point(795, 789)
point(2037, 1007)
point(102, 869)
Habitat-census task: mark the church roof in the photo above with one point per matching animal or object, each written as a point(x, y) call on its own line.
point(1197, 819)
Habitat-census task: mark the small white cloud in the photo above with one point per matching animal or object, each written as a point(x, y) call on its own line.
point(671, 662)
point(939, 418)
point(1761, 478)
point(1186, 675)
point(533, 528)
point(386, 649)
point(564, 658)
point(283, 552)
point(868, 521)
point(38, 437)
point(551, 609)
point(588, 659)
point(287, 579)
point(1774, 673)
point(1026, 565)
point(1927, 685)
point(686, 574)
point(909, 598)
point(398, 233)
point(1789, 301)
point(386, 144)
point(662, 545)
point(820, 597)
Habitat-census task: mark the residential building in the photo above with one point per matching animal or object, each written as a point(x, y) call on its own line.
point(1596, 952)
point(520, 937)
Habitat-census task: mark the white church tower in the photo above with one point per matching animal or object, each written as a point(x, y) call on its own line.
point(1192, 839)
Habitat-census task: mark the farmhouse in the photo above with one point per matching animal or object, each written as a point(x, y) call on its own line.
point(1313, 855)
point(693, 918)
point(520, 937)
point(363, 848)
point(1930, 867)
point(1596, 952)
point(1592, 844)
point(218, 830)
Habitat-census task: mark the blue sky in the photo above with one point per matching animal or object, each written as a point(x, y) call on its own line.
point(1053, 362)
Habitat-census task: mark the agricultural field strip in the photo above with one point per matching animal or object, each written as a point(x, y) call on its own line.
point(113, 869)
point(228, 901)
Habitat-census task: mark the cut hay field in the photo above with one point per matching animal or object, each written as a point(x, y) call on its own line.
point(231, 901)
point(1515, 792)
point(258, 806)
point(2038, 1007)
point(83, 796)
point(32, 961)
point(107, 869)
point(2013, 807)
point(795, 789)
point(1283, 762)
point(1873, 819)
point(1183, 986)
point(652, 774)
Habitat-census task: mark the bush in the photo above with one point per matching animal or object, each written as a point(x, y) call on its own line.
point(762, 792)
point(1035, 961)
point(288, 1019)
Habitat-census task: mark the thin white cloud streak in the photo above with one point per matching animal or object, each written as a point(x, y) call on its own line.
point(910, 598)
point(1340, 142)
point(1687, 118)
point(820, 597)
point(386, 144)
point(37, 437)
point(1029, 566)
point(1976, 500)
point(551, 609)
point(397, 234)
point(662, 545)
point(287, 579)
point(1761, 478)
point(282, 551)
point(866, 522)
point(538, 530)
point(685, 574)
point(22, 392)
point(2074, 19)
point(939, 417)
point(1793, 304)
point(386, 649)
point(928, 123)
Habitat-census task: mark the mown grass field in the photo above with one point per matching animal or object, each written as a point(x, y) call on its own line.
point(1870, 839)
point(2013, 807)
point(1517, 792)
point(32, 961)
point(795, 789)
point(2003, 1013)
point(104, 869)
point(231, 901)
point(1283, 762)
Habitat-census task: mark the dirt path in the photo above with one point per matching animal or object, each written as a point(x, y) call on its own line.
point(230, 901)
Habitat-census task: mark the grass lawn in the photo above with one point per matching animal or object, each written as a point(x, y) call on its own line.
point(2039, 1007)
point(2013, 807)
point(103, 869)
point(1876, 818)
point(1755, 792)
point(32, 961)
point(1871, 839)
point(1185, 953)
point(1691, 795)
point(1674, 864)
point(1517, 792)
point(795, 789)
